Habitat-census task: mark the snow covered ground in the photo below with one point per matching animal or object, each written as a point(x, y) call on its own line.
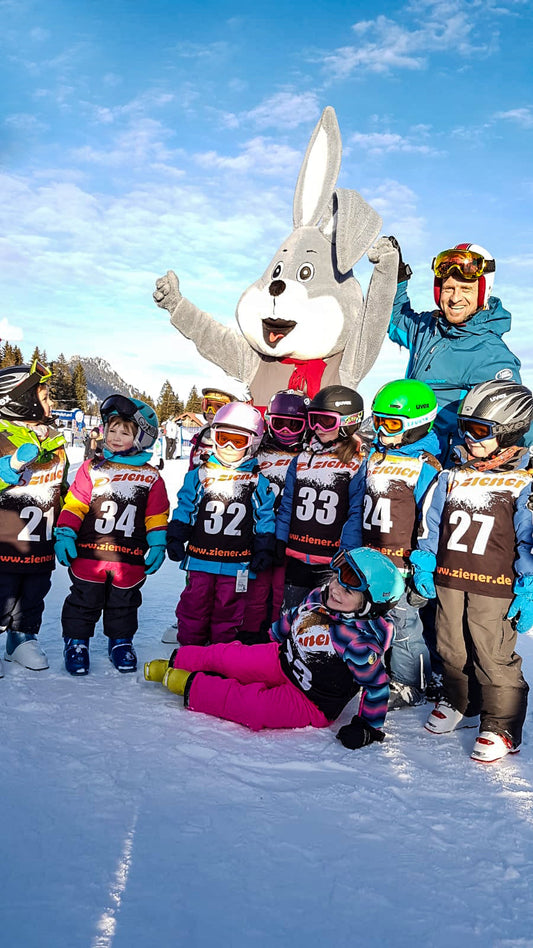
point(130, 822)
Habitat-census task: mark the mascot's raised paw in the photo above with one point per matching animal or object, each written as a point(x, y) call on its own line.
point(167, 291)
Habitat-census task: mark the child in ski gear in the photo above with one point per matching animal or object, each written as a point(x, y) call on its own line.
point(225, 515)
point(285, 426)
point(460, 343)
point(33, 467)
point(320, 510)
point(475, 552)
point(400, 469)
point(115, 512)
point(323, 653)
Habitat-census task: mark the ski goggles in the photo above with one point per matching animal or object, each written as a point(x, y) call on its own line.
point(39, 371)
point(237, 439)
point(123, 406)
point(347, 573)
point(476, 429)
point(288, 423)
point(471, 265)
point(331, 420)
point(389, 425)
point(211, 403)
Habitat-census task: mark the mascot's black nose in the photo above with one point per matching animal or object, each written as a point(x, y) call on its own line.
point(277, 287)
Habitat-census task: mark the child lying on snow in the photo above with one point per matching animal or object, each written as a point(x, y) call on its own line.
point(323, 652)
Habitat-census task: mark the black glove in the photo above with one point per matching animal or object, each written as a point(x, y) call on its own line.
point(358, 734)
point(404, 270)
point(279, 553)
point(262, 552)
point(178, 534)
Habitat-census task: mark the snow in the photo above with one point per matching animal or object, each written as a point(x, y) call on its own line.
point(130, 822)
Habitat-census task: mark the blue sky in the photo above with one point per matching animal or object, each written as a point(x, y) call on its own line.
point(138, 137)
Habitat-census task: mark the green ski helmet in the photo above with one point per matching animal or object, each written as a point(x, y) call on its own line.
point(406, 408)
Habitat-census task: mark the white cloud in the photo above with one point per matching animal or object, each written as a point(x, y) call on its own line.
point(9, 332)
point(285, 110)
point(25, 122)
point(385, 45)
point(389, 142)
point(259, 155)
point(522, 117)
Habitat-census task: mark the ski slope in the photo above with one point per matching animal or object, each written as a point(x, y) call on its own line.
point(131, 822)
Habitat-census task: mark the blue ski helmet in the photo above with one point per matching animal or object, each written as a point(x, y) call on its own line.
point(371, 573)
point(132, 409)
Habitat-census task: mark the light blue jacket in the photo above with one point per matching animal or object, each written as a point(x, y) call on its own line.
point(452, 359)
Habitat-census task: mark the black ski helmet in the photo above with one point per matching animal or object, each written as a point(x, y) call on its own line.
point(506, 406)
point(345, 401)
point(19, 400)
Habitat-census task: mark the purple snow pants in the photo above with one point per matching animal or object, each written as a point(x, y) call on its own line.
point(254, 691)
point(264, 599)
point(209, 609)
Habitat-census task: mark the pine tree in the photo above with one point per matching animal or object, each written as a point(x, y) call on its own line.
point(194, 401)
point(168, 404)
point(79, 384)
point(61, 385)
point(10, 355)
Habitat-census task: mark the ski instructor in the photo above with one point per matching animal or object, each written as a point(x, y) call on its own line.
point(459, 344)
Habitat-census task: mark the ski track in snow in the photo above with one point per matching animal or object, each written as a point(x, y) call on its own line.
point(129, 821)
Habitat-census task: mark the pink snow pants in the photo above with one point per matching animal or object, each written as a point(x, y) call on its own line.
point(209, 609)
point(254, 691)
point(264, 598)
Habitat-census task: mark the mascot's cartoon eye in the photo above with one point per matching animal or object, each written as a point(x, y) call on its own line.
point(277, 271)
point(305, 273)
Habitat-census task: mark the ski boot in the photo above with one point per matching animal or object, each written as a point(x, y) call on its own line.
point(490, 747)
point(170, 634)
point(22, 647)
point(444, 719)
point(176, 680)
point(156, 669)
point(404, 696)
point(76, 655)
point(122, 655)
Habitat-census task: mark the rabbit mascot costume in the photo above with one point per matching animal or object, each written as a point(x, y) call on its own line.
point(304, 324)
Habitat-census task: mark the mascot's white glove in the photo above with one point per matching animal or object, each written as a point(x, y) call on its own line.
point(167, 291)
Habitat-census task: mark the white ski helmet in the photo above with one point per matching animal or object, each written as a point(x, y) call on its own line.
point(485, 280)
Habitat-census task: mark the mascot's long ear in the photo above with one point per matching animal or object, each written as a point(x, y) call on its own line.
point(352, 225)
point(319, 171)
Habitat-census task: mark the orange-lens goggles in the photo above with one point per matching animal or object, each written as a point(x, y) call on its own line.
point(238, 439)
point(476, 430)
point(392, 425)
point(470, 265)
point(346, 575)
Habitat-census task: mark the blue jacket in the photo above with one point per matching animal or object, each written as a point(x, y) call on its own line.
point(191, 495)
point(451, 359)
